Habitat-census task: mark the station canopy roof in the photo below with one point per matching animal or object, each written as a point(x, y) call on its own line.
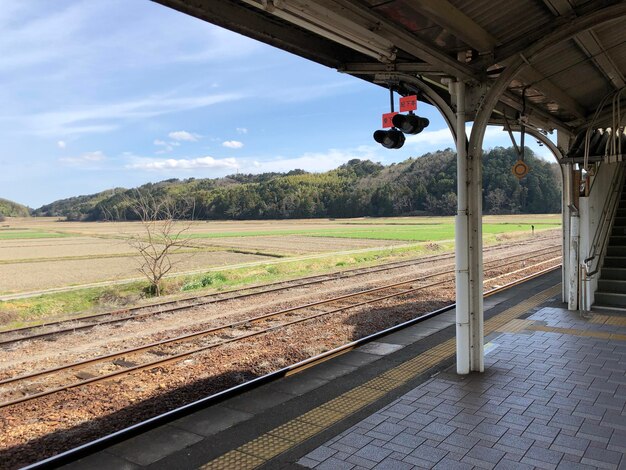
point(572, 52)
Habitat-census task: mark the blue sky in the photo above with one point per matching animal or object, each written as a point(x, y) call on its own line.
point(115, 93)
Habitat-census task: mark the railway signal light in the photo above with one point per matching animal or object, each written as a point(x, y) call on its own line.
point(410, 123)
point(391, 139)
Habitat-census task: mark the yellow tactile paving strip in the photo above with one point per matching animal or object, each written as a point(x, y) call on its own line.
point(609, 320)
point(282, 438)
point(515, 326)
point(575, 332)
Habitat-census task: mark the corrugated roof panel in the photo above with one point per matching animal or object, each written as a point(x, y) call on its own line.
point(403, 12)
point(495, 16)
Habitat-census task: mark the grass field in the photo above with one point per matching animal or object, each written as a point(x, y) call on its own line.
point(29, 234)
point(39, 254)
point(394, 231)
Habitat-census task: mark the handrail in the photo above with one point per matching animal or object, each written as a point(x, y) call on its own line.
point(608, 211)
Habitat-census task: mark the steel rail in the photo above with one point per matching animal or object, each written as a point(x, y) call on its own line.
point(151, 423)
point(213, 298)
point(178, 356)
point(190, 336)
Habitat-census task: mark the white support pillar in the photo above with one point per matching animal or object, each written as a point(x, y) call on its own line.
point(475, 204)
point(462, 239)
point(566, 171)
point(468, 244)
point(567, 200)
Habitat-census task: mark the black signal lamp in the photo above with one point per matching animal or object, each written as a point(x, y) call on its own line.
point(410, 123)
point(391, 139)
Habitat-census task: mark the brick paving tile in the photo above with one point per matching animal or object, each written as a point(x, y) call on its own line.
point(393, 464)
point(517, 402)
point(494, 430)
point(614, 421)
point(334, 464)
point(516, 421)
point(321, 453)
point(506, 464)
point(407, 440)
point(485, 454)
point(512, 443)
point(427, 402)
point(594, 432)
point(372, 452)
point(540, 411)
point(355, 440)
point(449, 464)
point(428, 453)
point(574, 466)
point(361, 462)
point(589, 411)
point(563, 403)
point(420, 417)
point(601, 457)
point(460, 440)
point(618, 443)
point(397, 449)
point(437, 429)
point(398, 410)
point(541, 454)
point(308, 463)
point(386, 429)
point(570, 445)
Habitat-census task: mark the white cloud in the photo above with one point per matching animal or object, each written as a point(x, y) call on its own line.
point(61, 144)
point(183, 163)
point(86, 159)
point(242, 130)
point(184, 135)
point(232, 144)
point(106, 117)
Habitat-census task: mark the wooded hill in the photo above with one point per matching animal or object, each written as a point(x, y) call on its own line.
point(424, 185)
point(12, 209)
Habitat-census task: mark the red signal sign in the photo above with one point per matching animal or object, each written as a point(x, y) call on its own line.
point(408, 103)
point(387, 117)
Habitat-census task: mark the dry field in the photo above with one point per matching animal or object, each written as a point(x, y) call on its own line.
point(43, 253)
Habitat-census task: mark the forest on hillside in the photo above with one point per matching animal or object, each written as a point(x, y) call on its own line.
point(417, 186)
point(12, 209)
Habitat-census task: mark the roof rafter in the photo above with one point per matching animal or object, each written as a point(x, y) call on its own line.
point(590, 45)
point(458, 23)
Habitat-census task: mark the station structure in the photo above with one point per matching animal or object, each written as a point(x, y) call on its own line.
point(552, 69)
point(540, 378)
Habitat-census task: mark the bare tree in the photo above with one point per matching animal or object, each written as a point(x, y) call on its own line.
point(164, 222)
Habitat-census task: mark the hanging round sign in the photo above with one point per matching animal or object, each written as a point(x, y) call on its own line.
point(520, 169)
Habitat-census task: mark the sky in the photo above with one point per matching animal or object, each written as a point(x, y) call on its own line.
point(98, 94)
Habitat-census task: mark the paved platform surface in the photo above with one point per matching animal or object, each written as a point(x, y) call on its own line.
point(552, 397)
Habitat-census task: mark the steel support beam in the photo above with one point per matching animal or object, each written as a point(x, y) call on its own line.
point(458, 23)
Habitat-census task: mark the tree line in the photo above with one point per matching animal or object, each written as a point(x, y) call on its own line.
point(418, 186)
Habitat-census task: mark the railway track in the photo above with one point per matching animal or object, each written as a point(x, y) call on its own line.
point(47, 330)
point(26, 387)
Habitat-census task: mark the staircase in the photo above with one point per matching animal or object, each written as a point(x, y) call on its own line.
point(611, 291)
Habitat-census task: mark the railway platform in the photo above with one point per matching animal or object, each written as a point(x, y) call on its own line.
point(553, 396)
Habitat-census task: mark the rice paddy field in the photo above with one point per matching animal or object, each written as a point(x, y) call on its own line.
point(44, 253)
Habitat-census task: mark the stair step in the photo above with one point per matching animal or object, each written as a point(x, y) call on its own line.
point(612, 285)
point(610, 299)
point(616, 250)
point(613, 273)
point(614, 261)
point(619, 230)
point(617, 240)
